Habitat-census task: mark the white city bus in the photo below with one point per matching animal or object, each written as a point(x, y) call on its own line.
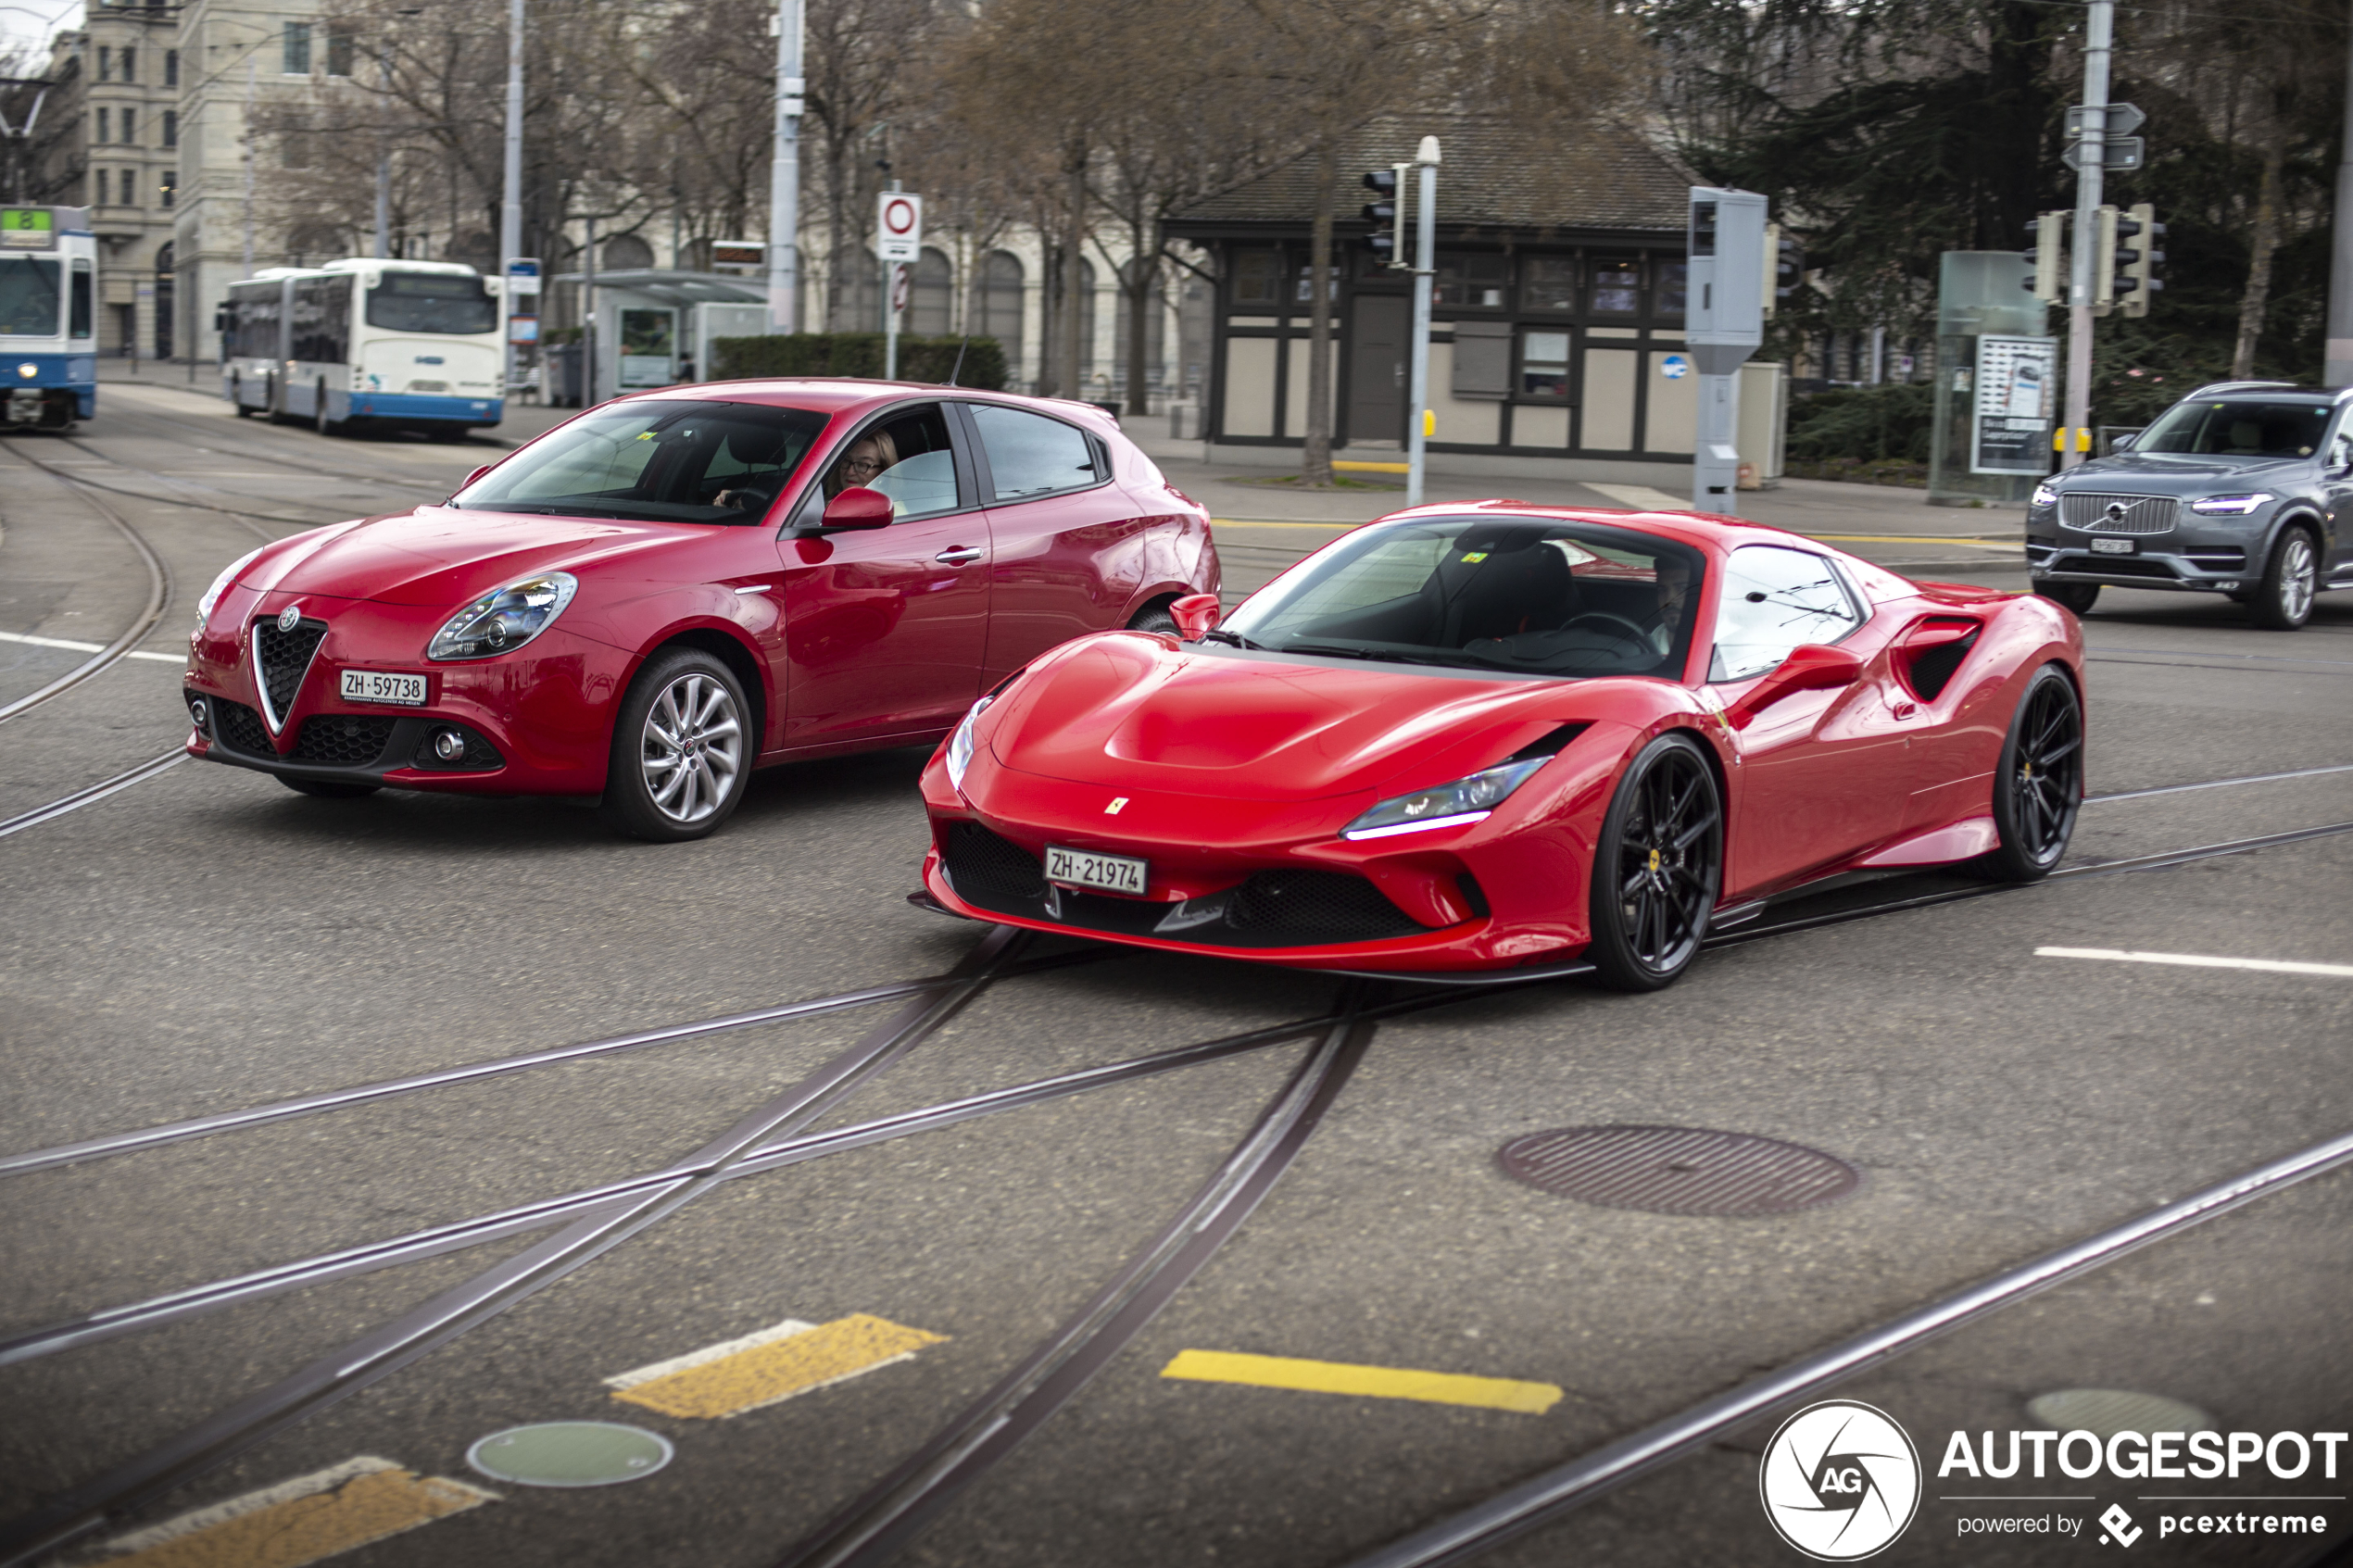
point(366, 341)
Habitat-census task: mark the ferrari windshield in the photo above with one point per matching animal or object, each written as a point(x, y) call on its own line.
point(2240, 427)
point(658, 461)
point(1500, 593)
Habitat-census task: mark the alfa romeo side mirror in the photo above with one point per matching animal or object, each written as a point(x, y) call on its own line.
point(1196, 616)
point(857, 508)
point(1808, 667)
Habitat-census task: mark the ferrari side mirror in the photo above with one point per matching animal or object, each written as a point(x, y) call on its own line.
point(469, 479)
point(1809, 668)
point(1196, 616)
point(857, 508)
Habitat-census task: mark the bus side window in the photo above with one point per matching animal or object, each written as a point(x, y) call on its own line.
point(82, 311)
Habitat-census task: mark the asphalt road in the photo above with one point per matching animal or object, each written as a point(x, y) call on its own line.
point(205, 941)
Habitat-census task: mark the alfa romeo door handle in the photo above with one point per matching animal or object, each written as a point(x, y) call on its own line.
point(961, 555)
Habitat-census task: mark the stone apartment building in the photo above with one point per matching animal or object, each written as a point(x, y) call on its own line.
point(115, 87)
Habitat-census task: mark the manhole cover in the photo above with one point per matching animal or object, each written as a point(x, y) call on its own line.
point(570, 1453)
point(1678, 1170)
point(2106, 1412)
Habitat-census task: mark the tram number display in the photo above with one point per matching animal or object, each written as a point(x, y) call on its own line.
point(27, 228)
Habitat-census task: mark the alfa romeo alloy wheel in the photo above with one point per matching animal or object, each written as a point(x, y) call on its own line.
point(680, 749)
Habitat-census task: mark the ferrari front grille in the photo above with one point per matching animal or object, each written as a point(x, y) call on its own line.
point(981, 864)
point(343, 740)
point(2091, 511)
point(240, 728)
point(1317, 907)
point(283, 658)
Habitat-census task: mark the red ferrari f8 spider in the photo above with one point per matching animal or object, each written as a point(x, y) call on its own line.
point(672, 589)
point(1493, 735)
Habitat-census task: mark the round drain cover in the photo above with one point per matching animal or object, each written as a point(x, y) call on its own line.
point(1678, 1170)
point(570, 1453)
point(2106, 1412)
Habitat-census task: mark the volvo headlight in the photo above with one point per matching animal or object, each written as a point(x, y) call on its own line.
point(2229, 506)
point(220, 583)
point(2044, 495)
point(960, 745)
point(502, 621)
point(1464, 800)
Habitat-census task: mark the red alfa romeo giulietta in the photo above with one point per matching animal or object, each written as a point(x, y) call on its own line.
point(1493, 735)
point(674, 588)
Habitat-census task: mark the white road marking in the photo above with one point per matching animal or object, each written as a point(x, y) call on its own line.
point(1641, 497)
point(85, 648)
point(708, 1353)
point(2197, 960)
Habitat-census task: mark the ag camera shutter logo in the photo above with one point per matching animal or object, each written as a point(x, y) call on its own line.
point(1841, 1480)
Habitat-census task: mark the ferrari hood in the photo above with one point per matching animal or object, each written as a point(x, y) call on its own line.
point(441, 555)
point(1123, 710)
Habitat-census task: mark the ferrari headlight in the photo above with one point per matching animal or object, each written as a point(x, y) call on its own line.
point(2229, 506)
point(2044, 495)
point(1451, 805)
point(961, 743)
point(502, 621)
point(220, 583)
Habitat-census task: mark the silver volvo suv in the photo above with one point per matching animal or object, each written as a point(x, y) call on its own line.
point(2242, 488)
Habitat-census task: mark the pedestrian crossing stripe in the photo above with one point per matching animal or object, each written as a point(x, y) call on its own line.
point(306, 1520)
point(777, 1363)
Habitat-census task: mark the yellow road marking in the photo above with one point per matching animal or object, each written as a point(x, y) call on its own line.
point(1371, 1382)
point(306, 1520)
point(776, 1363)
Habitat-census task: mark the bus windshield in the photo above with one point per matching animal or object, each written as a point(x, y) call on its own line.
point(432, 302)
point(28, 297)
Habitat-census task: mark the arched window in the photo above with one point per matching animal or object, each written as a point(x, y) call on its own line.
point(624, 252)
point(1001, 301)
point(929, 302)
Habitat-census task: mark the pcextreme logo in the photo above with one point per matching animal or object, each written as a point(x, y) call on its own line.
point(1841, 1480)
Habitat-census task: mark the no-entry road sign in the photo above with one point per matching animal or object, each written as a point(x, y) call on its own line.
point(899, 225)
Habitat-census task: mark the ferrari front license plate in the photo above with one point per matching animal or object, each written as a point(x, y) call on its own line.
point(2111, 546)
point(1083, 868)
point(376, 686)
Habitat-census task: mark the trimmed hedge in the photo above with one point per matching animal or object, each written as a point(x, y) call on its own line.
point(1887, 424)
point(857, 354)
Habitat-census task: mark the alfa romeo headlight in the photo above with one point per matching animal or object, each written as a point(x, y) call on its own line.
point(502, 621)
point(220, 583)
point(2229, 506)
point(960, 745)
point(1451, 805)
point(2044, 495)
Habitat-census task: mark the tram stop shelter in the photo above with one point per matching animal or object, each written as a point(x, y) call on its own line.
point(1557, 319)
point(654, 325)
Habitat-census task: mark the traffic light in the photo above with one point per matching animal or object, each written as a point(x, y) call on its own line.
point(1381, 213)
point(2048, 257)
point(2140, 281)
point(1785, 267)
point(2104, 245)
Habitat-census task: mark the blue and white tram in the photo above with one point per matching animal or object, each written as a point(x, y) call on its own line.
point(391, 344)
point(48, 314)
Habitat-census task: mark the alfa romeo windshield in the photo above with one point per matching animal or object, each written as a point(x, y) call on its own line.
point(661, 461)
point(1514, 594)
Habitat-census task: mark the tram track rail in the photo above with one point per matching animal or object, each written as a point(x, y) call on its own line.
point(158, 599)
point(596, 1219)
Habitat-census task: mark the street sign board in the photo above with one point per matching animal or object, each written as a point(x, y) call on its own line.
point(2122, 120)
point(899, 225)
point(739, 253)
point(522, 275)
point(2116, 152)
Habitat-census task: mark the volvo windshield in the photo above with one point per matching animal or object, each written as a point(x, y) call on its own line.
point(658, 461)
point(2240, 427)
point(1496, 592)
point(432, 302)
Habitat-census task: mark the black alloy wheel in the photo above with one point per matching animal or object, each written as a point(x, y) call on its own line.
point(2077, 597)
point(2038, 788)
point(1658, 868)
point(327, 789)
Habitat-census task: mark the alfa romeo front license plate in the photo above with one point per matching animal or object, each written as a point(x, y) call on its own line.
point(376, 686)
point(2111, 546)
point(1083, 868)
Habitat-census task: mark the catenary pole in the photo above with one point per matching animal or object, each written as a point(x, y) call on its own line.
point(2081, 281)
point(253, 92)
point(784, 178)
point(2339, 368)
point(1424, 269)
point(510, 206)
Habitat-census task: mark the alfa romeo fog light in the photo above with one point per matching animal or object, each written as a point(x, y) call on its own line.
point(449, 746)
point(198, 713)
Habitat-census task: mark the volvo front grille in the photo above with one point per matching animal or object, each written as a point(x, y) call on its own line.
point(2091, 512)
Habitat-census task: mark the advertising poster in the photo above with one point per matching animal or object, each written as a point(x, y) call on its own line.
point(2010, 417)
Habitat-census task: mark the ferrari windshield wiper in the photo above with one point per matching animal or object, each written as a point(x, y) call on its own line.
point(1385, 656)
point(1219, 634)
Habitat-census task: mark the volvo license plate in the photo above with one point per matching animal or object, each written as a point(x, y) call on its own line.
point(377, 685)
point(1084, 868)
point(2111, 546)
